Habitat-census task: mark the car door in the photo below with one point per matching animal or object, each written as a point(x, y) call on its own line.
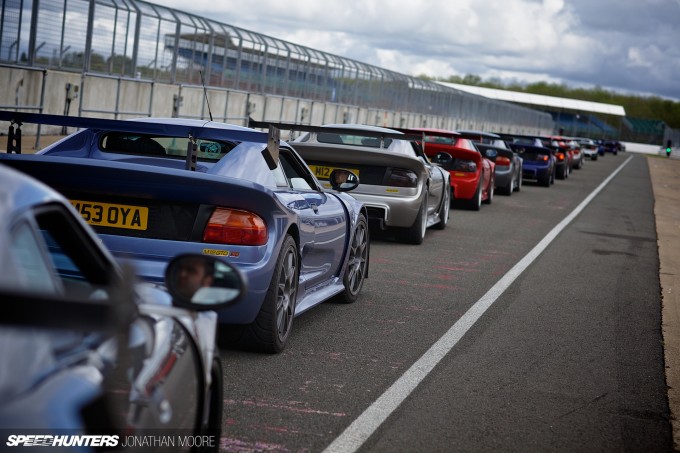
point(323, 223)
point(437, 180)
point(160, 388)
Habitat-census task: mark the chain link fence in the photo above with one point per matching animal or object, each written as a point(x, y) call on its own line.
point(133, 39)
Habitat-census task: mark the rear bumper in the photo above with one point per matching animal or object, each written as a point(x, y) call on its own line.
point(503, 176)
point(535, 172)
point(464, 184)
point(150, 257)
point(391, 211)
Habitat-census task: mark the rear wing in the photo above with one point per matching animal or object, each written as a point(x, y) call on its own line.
point(292, 127)
point(522, 148)
point(425, 133)
point(483, 147)
point(193, 132)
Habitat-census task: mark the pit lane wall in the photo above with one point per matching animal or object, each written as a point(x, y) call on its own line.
point(41, 90)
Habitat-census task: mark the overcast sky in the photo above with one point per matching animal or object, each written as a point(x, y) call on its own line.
point(620, 45)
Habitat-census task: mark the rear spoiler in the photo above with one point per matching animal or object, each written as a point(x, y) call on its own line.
point(448, 134)
point(17, 119)
point(334, 130)
point(520, 147)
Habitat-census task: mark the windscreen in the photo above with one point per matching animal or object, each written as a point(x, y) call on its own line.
point(352, 139)
point(172, 147)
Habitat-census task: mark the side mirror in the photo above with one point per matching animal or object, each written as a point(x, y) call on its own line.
point(203, 282)
point(343, 180)
point(442, 158)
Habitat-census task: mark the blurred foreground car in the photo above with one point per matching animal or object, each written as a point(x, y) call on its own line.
point(400, 188)
point(85, 350)
point(153, 188)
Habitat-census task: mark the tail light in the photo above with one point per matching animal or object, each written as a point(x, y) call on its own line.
point(402, 178)
point(465, 165)
point(560, 156)
point(236, 227)
point(502, 161)
point(543, 158)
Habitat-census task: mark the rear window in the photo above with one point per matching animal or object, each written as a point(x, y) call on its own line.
point(173, 147)
point(350, 139)
point(440, 140)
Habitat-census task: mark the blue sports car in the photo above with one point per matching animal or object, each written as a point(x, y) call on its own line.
point(154, 188)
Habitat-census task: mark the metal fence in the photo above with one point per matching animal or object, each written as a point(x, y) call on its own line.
point(137, 39)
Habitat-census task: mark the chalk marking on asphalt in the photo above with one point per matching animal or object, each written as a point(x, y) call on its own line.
point(370, 420)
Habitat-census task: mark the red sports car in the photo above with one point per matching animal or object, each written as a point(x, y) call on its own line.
point(472, 174)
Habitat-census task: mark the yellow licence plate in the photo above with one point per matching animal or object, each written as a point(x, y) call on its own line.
point(113, 215)
point(323, 172)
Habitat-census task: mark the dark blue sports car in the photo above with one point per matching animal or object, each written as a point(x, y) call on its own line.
point(153, 188)
point(538, 163)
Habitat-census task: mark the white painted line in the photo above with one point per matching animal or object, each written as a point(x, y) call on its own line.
point(370, 420)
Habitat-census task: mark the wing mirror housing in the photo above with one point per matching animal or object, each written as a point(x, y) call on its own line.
point(442, 158)
point(203, 282)
point(343, 180)
point(491, 153)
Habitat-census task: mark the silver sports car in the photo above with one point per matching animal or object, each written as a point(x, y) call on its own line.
point(402, 190)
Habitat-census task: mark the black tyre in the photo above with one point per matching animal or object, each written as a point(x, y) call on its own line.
point(357, 266)
point(215, 401)
point(545, 182)
point(476, 202)
point(273, 324)
point(416, 233)
point(518, 187)
point(510, 188)
point(492, 188)
point(444, 210)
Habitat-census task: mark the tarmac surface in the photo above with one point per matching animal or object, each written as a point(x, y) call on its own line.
point(665, 180)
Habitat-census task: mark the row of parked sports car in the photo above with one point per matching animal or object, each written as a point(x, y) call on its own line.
point(231, 233)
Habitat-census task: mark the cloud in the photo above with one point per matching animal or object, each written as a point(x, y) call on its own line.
point(578, 42)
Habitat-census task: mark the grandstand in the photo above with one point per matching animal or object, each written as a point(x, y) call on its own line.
point(584, 118)
point(644, 126)
point(571, 116)
point(583, 125)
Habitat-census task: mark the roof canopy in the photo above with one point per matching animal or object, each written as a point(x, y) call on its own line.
point(539, 99)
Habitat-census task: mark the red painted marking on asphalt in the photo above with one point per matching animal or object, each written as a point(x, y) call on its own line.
point(244, 446)
point(446, 277)
point(438, 286)
point(420, 309)
point(290, 406)
point(457, 269)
